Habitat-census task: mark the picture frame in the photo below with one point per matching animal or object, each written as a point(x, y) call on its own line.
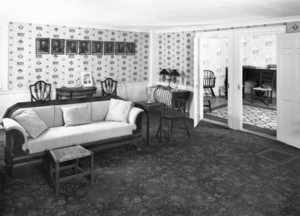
point(120, 48)
point(130, 48)
point(57, 46)
point(97, 47)
point(42, 45)
point(84, 47)
point(71, 47)
point(86, 79)
point(109, 47)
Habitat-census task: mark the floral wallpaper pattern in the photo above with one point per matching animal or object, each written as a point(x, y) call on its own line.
point(25, 67)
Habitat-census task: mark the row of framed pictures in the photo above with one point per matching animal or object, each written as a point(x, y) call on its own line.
point(83, 47)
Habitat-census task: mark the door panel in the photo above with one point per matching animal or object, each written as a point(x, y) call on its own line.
point(288, 83)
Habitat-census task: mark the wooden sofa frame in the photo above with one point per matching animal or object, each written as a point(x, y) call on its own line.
point(15, 156)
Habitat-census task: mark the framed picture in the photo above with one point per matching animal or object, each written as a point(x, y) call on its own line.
point(130, 48)
point(120, 48)
point(57, 46)
point(71, 47)
point(97, 47)
point(42, 45)
point(84, 47)
point(86, 79)
point(109, 48)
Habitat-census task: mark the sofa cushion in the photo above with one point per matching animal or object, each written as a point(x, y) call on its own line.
point(45, 113)
point(31, 122)
point(99, 110)
point(118, 110)
point(76, 115)
point(59, 137)
point(58, 114)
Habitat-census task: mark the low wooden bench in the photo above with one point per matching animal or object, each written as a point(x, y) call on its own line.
point(73, 153)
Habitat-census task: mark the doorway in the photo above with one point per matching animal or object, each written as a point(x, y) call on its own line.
point(259, 58)
point(215, 78)
point(234, 74)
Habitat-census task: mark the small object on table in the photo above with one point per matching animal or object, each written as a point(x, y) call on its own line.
point(73, 153)
point(149, 108)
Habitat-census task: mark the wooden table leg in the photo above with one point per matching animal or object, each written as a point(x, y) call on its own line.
point(160, 126)
point(56, 177)
point(148, 125)
point(92, 168)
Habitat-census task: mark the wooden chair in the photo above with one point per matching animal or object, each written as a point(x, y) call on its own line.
point(174, 110)
point(264, 91)
point(209, 81)
point(40, 91)
point(109, 87)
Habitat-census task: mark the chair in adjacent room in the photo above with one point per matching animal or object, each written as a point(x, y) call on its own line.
point(264, 92)
point(40, 91)
point(209, 81)
point(174, 110)
point(109, 87)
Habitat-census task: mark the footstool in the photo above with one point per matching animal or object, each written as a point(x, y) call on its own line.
point(73, 153)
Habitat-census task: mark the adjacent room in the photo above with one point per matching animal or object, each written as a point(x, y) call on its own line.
point(150, 107)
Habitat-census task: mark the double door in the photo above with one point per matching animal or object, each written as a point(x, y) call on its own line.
point(288, 82)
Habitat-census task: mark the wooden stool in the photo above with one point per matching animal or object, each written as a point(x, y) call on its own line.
point(73, 153)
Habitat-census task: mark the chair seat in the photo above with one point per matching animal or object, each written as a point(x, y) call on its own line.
point(173, 114)
point(262, 89)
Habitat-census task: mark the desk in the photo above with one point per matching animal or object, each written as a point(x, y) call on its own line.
point(181, 94)
point(149, 108)
point(75, 92)
point(249, 73)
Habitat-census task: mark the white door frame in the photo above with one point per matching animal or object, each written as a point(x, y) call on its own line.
point(235, 100)
point(198, 70)
point(238, 67)
point(288, 86)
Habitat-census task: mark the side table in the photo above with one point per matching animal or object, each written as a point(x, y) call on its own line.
point(149, 108)
point(73, 153)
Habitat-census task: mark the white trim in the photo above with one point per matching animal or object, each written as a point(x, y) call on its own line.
point(202, 27)
point(153, 58)
point(76, 24)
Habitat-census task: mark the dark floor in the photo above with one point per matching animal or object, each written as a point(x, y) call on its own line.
point(215, 172)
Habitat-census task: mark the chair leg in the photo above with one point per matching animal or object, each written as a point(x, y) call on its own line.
point(212, 92)
point(170, 129)
point(252, 96)
point(172, 125)
point(187, 129)
point(209, 105)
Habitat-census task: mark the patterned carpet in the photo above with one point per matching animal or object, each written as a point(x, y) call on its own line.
point(254, 116)
point(216, 172)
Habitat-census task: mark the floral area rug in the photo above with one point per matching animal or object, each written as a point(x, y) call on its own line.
point(215, 172)
point(260, 117)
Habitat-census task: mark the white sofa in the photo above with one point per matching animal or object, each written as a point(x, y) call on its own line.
point(98, 134)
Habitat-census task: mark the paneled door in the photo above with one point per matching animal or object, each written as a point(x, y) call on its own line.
point(288, 86)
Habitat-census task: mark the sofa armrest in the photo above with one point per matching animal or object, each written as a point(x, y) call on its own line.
point(135, 118)
point(16, 137)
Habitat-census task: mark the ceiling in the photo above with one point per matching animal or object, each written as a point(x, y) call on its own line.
point(146, 14)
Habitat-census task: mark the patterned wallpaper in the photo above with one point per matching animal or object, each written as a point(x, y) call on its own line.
point(25, 67)
point(176, 51)
point(259, 50)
